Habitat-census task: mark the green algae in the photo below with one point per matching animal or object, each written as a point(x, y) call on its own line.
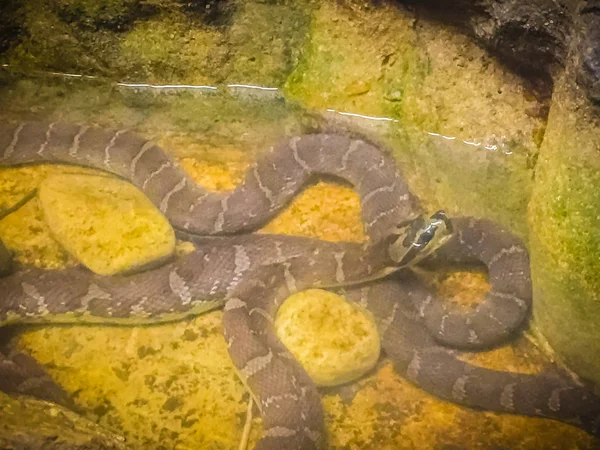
point(564, 217)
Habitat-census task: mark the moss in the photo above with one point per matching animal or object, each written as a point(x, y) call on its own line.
point(564, 215)
point(169, 49)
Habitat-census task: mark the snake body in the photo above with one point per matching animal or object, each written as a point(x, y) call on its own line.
point(252, 274)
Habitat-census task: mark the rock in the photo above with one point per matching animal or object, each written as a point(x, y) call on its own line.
point(30, 424)
point(10, 23)
point(105, 223)
point(565, 236)
point(532, 37)
point(200, 42)
point(114, 15)
point(332, 351)
point(588, 68)
point(21, 374)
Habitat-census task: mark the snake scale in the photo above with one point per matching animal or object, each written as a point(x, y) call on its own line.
point(251, 275)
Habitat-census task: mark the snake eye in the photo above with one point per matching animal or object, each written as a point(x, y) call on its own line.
point(415, 239)
point(441, 215)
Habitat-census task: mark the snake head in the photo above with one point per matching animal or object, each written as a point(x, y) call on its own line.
point(413, 240)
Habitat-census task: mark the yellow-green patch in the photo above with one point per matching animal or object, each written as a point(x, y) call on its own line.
point(105, 223)
point(335, 341)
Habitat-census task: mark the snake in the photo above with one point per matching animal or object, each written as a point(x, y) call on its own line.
point(249, 275)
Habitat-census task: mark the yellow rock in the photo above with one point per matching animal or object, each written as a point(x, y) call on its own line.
point(335, 341)
point(107, 224)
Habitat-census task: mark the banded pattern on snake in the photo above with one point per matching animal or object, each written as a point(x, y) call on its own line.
point(251, 275)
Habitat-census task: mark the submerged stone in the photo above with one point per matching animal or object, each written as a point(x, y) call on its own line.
point(105, 223)
point(336, 342)
point(565, 240)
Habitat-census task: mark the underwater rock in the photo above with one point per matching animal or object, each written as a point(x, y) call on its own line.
point(105, 223)
point(332, 351)
point(28, 423)
point(565, 236)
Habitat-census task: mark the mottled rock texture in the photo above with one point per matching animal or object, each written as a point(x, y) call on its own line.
point(565, 232)
point(28, 424)
point(588, 49)
point(532, 37)
point(82, 205)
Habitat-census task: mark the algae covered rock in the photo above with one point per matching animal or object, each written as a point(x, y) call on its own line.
point(336, 342)
point(107, 224)
point(564, 217)
point(27, 423)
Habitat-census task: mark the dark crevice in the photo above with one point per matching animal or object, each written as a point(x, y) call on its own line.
point(11, 19)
